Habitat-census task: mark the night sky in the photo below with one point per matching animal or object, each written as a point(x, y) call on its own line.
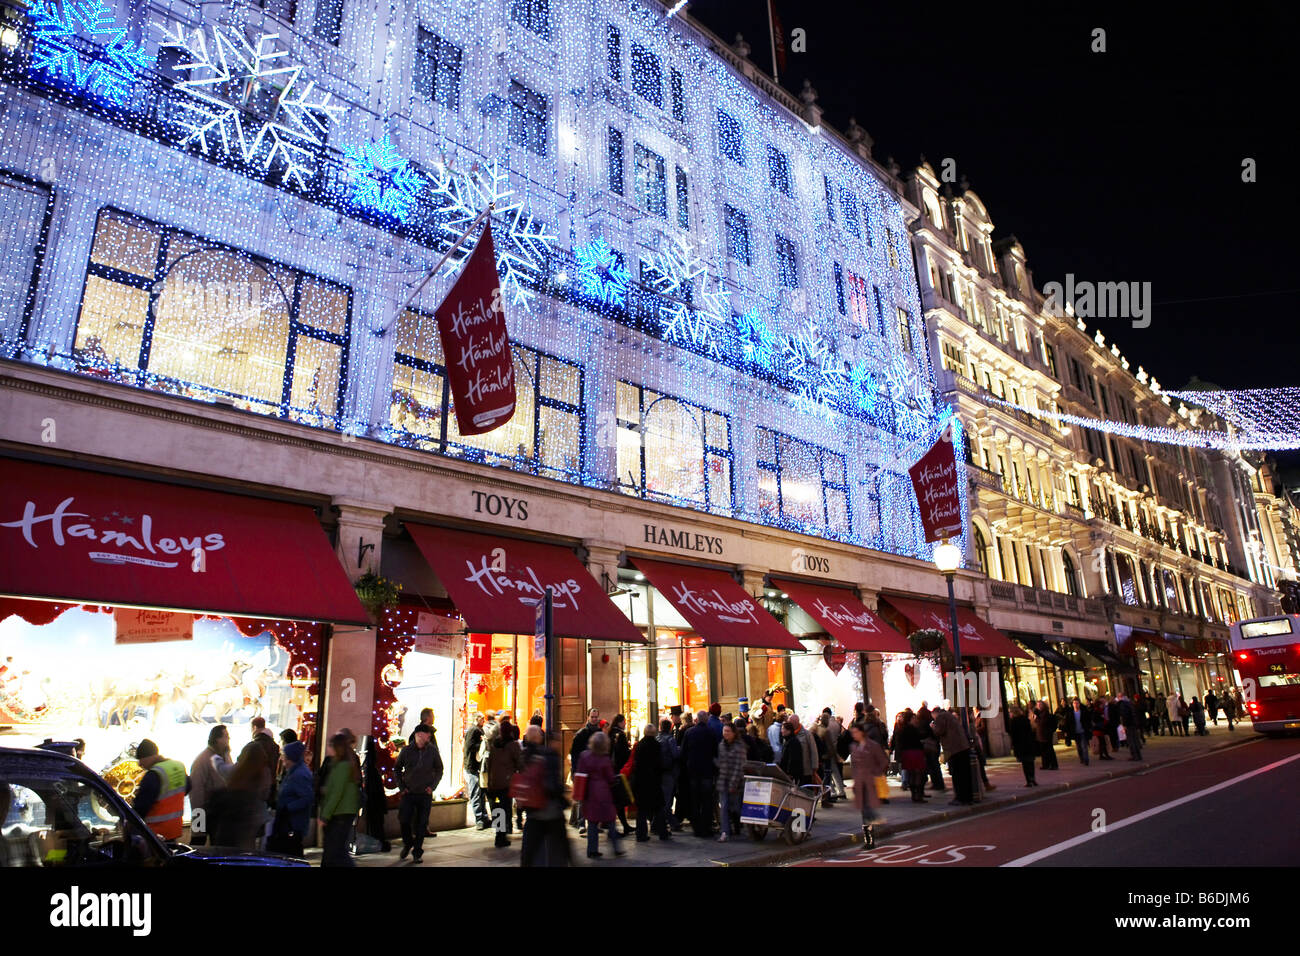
point(1116, 166)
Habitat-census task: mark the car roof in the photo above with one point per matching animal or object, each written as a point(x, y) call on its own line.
point(46, 761)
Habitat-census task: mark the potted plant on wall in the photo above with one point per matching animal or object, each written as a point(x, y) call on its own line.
point(376, 592)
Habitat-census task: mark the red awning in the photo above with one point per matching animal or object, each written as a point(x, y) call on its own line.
point(496, 583)
point(717, 608)
point(978, 638)
point(845, 618)
point(73, 535)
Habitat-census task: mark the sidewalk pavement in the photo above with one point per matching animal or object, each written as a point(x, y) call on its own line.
point(835, 827)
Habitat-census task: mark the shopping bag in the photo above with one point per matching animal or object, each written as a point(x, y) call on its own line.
point(882, 788)
point(579, 787)
point(1123, 733)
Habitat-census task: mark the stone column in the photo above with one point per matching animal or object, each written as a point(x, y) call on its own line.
point(755, 658)
point(604, 687)
point(348, 697)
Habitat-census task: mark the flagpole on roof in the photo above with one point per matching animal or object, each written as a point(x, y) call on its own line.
point(771, 32)
point(454, 246)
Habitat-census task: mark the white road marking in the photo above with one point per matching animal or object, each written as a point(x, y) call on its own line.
point(1145, 814)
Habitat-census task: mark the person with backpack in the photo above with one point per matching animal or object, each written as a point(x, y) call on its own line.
point(669, 769)
point(504, 760)
point(1197, 711)
point(579, 746)
point(1229, 709)
point(543, 832)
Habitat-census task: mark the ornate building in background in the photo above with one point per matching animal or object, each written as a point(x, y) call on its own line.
point(1083, 534)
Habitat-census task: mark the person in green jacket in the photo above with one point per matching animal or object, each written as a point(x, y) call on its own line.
point(340, 804)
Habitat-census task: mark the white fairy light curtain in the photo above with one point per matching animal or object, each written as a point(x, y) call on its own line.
point(257, 209)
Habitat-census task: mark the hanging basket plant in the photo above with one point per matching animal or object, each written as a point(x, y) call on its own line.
point(926, 641)
point(376, 592)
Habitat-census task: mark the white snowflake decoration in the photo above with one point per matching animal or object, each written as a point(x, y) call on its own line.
point(817, 376)
point(673, 269)
point(674, 266)
point(757, 341)
point(600, 274)
point(522, 243)
point(382, 180)
point(54, 30)
point(222, 59)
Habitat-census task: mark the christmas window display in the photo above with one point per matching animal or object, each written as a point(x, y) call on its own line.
point(114, 676)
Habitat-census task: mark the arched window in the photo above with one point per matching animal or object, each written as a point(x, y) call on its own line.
point(1071, 580)
point(208, 321)
point(1127, 580)
point(981, 551)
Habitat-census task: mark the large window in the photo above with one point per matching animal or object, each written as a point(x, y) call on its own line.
point(328, 22)
point(737, 225)
point(169, 311)
point(679, 96)
point(23, 229)
point(778, 170)
point(616, 161)
point(904, 328)
point(730, 138)
point(614, 53)
point(533, 14)
point(528, 112)
point(647, 76)
point(859, 302)
point(651, 185)
point(543, 437)
point(802, 485)
point(683, 200)
point(850, 203)
point(787, 262)
point(672, 449)
point(437, 69)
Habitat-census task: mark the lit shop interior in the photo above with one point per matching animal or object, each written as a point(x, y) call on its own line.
point(679, 670)
point(428, 660)
point(114, 676)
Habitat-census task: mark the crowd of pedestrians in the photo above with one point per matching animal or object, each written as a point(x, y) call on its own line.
point(687, 771)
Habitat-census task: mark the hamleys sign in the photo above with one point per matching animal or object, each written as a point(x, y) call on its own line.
point(113, 538)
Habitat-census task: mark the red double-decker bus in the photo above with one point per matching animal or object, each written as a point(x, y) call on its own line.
point(1266, 652)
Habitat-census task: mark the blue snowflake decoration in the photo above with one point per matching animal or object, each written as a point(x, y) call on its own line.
point(757, 341)
point(816, 377)
point(54, 31)
point(382, 180)
point(864, 390)
point(601, 276)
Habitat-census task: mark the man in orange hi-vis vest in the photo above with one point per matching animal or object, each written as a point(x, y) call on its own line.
point(160, 798)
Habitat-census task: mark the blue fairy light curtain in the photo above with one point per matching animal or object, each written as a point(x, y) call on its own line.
point(233, 203)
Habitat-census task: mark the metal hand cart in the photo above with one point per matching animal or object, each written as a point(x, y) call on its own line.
point(772, 801)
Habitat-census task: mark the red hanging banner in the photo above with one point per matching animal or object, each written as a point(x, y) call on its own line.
point(935, 478)
point(476, 346)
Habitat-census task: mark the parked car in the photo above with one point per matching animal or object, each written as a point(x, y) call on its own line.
point(56, 811)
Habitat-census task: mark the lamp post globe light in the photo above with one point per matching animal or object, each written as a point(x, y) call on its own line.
point(947, 558)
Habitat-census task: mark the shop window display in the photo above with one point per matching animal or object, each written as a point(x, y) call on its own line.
point(113, 676)
point(680, 677)
point(426, 660)
point(909, 682)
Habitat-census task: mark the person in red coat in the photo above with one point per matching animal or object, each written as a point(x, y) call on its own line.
point(598, 803)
